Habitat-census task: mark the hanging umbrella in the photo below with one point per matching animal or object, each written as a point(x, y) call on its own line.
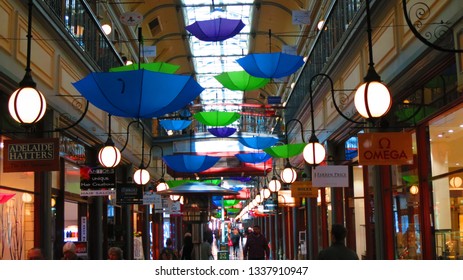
point(138, 93)
point(197, 188)
point(253, 157)
point(176, 183)
point(175, 124)
point(271, 65)
point(216, 118)
point(4, 197)
point(258, 142)
point(162, 67)
point(222, 132)
point(285, 151)
point(218, 29)
point(217, 201)
point(241, 80)
point(190, 163)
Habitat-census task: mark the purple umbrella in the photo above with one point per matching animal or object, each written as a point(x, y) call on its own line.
point(214, 30)
point(222, 131)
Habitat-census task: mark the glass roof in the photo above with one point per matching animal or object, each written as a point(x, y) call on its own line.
point(213, 58)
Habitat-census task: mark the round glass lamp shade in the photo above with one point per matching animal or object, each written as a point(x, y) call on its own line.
point(107, 29)
point(314, 153)
point(456, 182)
point(259, 198)
point(162, 186)
point(27, 105)
point(141, 176)
point(174, 197)
point(265, 193)
point(376, 96)
point(288, 175)
point(109, 156)
point(274, 185)
point(414, 189)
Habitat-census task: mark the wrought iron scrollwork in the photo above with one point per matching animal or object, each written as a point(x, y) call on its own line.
point(421, 12)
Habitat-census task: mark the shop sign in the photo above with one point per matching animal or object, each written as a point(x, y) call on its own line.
point(97, 192)
point(23, 155)
point(97, 178)
point(303, 189)
point(81, 248)
point(129, 194)
point(385, 148)
point(330, 176)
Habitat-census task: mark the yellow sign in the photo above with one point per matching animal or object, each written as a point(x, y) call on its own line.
point(385, 148)
point(303, 189)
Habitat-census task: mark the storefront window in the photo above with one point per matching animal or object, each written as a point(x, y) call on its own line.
point(445, 134)
point(407, 209)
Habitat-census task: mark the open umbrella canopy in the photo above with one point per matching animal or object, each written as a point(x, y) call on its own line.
point(176, 183)
point(162, 67)
point(285, 151)
point(197, 188)
point(241, 80)
point(139, 93)
point(217, 201)
point(253, 157)
point(258, 142)
point(222, 132)
point(271, 65)
point(190, 163)
point(4, 197)
point(175, 124)
point(214, 30)
point(216, 118)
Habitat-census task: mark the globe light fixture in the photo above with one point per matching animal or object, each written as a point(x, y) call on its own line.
point(274, 185)
point(109, 156)
point(289, 174)
point(27, 105)
point(141, 176)
point(265, 192)
point(174, 197)
point(372, 99)
point(314, 153)
point(162, 185)
point(107, 29)
point(414, 189)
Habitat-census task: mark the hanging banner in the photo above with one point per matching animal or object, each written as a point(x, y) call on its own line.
point(385, 148)
point(31, 155)
point(330, 176)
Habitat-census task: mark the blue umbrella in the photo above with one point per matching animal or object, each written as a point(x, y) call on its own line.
point(271, 65)
point(175, 124)
point(222, 132)
point(190, 163)
point(258, 142)
point(253, 157)
point(139, 93)
point(214, 30)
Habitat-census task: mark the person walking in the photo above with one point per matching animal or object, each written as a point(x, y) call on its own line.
point(256, 247)
point(205, 249)
point(115, 253)
point(235, 238)
point(338, 249)
point(168, 252)
point(187, 249)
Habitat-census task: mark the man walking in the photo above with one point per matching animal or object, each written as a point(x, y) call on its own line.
point(256, 247)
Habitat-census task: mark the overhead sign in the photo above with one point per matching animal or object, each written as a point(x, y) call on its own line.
point(31, 155)
point(330, 176)
point(98, 192)
point(385, 148)
point(303, 189)
point(97, 178)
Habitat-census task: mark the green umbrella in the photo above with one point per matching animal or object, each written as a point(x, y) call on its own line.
point(241, 80)
point(285, 151)
point(216, 118)
point(176, 183)
point(162, 67)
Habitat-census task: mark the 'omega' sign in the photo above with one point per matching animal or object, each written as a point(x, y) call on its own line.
point(391, 148)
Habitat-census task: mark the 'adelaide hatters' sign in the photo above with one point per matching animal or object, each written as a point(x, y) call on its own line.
point(31, 155)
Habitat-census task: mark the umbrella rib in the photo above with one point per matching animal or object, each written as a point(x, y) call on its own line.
point(105, 96)
point(141, 93)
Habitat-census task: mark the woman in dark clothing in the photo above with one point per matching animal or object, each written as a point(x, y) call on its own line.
point(187, 249)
